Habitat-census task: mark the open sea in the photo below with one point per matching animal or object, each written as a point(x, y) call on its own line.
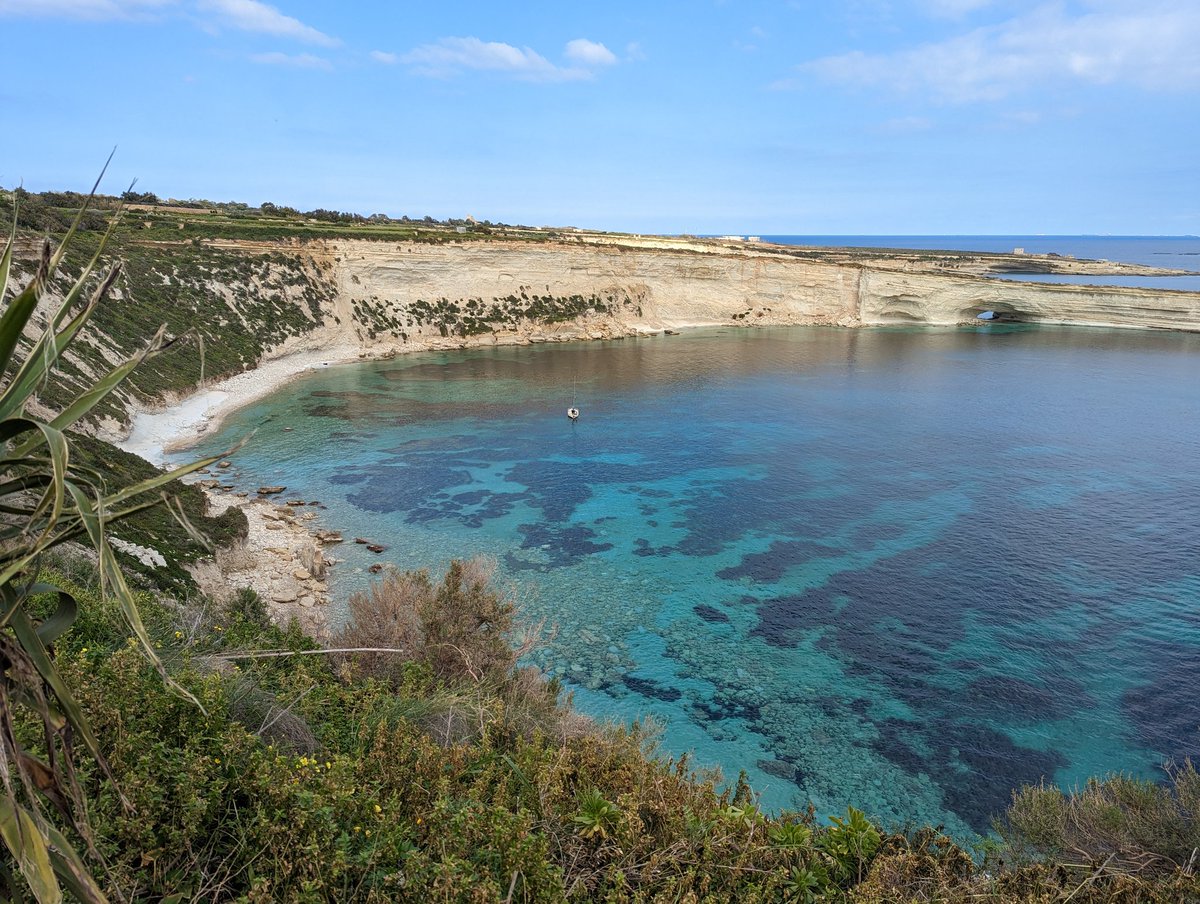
point(906, 569)
point(1174, 252)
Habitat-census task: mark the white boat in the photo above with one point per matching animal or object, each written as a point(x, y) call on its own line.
point(573, 412)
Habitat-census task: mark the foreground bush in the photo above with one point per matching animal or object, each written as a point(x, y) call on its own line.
point(364, 796)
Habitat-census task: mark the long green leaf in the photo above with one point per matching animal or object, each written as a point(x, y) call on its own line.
point(16, 316)
point(106, 384)
point(71, 871)
point(29, 849)
point(6, 259)
point(50, 347)
point(159, 480)
point(32, 644)
point(111, 574)
point(63, 617)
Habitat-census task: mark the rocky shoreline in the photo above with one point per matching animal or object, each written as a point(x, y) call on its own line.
point(285, 558)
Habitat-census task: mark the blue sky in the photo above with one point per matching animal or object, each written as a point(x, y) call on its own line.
point(854, 117)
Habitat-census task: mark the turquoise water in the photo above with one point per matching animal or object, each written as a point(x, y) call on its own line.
point(906, 569)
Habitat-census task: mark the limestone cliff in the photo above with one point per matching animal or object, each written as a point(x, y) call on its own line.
point(250, 301)
point(510, 292)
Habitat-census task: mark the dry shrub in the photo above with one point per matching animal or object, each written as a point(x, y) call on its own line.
point(385, 617)
point(459, 627)
point(1131, 826)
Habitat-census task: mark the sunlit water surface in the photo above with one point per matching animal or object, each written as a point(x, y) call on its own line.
point(904, 569)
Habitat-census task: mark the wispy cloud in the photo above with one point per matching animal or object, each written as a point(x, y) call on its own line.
point(252, 15)
point(92, 10)
point(297, 60)
point(588, 53)
point(388, 59)
point(449, 57)
point(1145, 43)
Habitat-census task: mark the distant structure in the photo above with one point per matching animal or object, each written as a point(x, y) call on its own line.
point(754, 238)
point(1018, 251)
point(730, 238)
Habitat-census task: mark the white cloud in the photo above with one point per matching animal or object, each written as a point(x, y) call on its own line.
point(452, 56)
point(1149, 44)
point(381, 56)
point(252, 15)
point(589, 53)
point(81, 9)
point(298, 60)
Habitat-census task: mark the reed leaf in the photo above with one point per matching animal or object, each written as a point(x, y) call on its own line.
point(29, 850)
point(46, 500)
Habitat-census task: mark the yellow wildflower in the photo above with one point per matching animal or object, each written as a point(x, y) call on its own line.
point(179, 634)
point(378, 809)
point(84, 650)
point(216, 759)
point(368, 833)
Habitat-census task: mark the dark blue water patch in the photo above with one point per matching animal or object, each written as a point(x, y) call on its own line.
point(782, 769)
point(559, 487)
point(783, 621)
point(472, 497)
point(966, 756)
point(407, 488)
point(651, 689)
point(872, 533)
point(710, 614)
point(1165, 710)
point(563, 546)
point(1015, 701)
point(642, 547)
point(771, 566)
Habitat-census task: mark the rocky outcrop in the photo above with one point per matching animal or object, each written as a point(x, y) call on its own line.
point(399, 294)
point(894, 297)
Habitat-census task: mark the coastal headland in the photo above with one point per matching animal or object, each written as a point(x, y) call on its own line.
point(267, 309)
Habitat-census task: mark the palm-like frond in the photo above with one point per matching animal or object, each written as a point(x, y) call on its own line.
point(46, 499)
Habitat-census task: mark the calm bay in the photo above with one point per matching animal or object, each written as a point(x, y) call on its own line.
point(905, 569)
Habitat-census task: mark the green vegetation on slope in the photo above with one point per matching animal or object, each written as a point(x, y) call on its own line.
point(157, 528)
point(437, 776)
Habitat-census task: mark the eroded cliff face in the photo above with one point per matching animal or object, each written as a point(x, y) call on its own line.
point(252, 301)
point(509, 292)
point(894, 297)
point(498, 292)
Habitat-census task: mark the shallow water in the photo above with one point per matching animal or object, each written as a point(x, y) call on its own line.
point(906, 569)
